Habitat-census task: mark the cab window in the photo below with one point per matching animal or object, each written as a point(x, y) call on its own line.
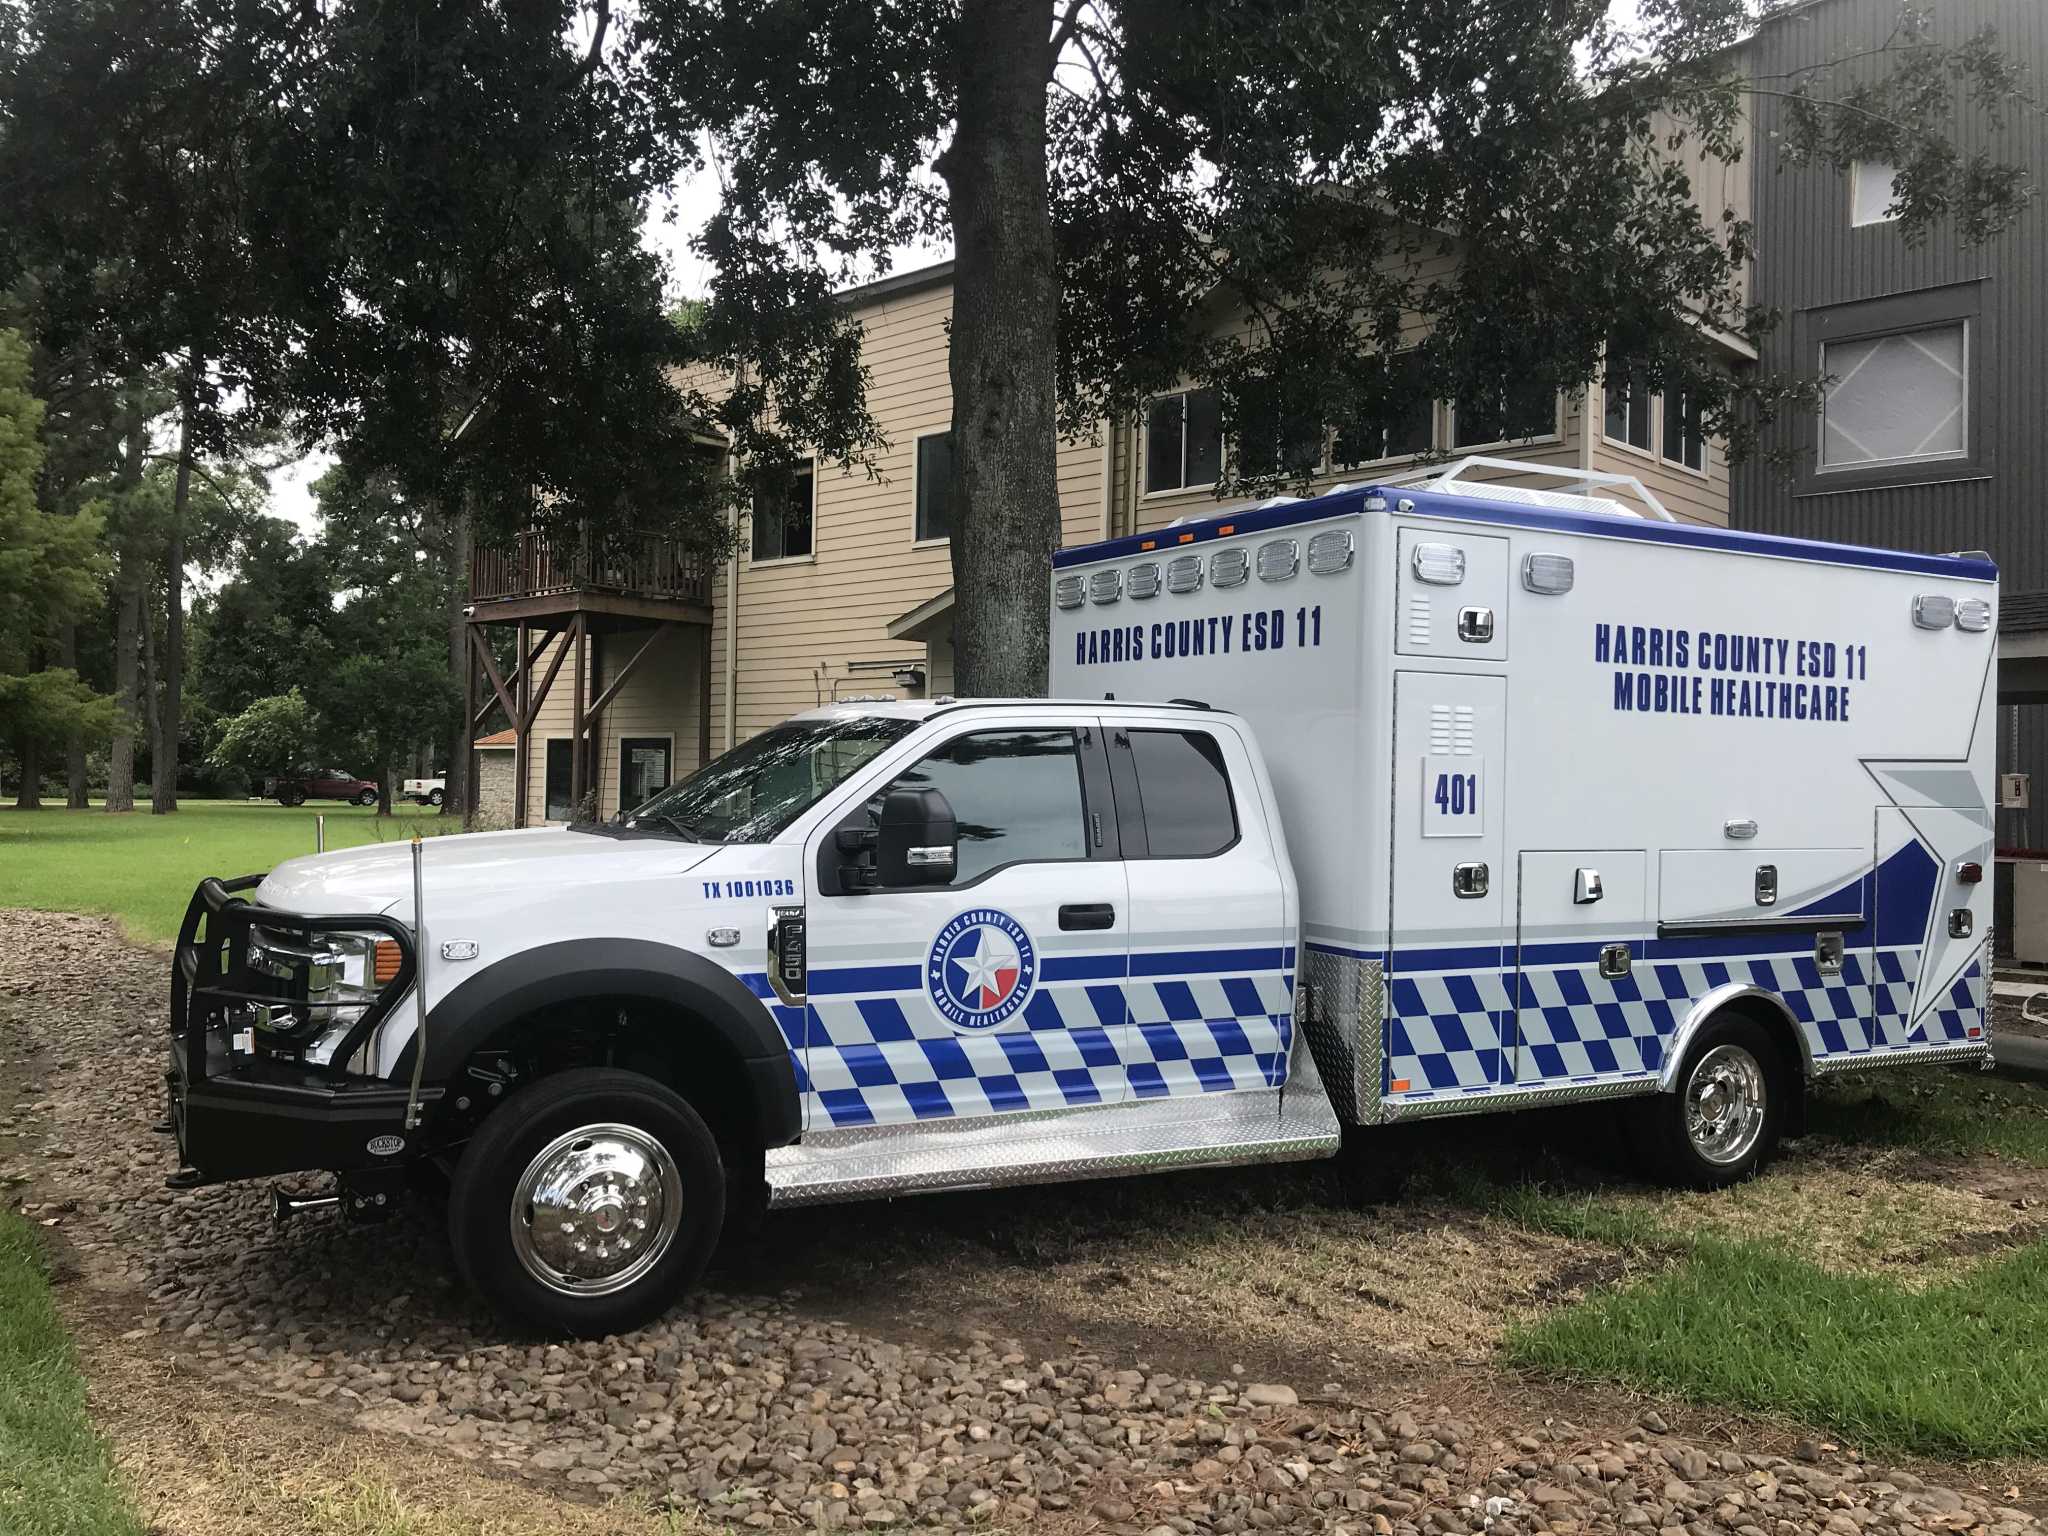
point(1016, 796)
point(1186, 793)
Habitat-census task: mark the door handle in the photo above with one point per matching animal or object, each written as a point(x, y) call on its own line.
point(1087, 914)
point(1468, 881)
point(1586, 887)
point(1615, 961)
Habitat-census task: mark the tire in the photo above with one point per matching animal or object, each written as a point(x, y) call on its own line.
point(367, 797)
point(435, 796)
point(291, 797)
point(1723, 1122)
point(603, 1139)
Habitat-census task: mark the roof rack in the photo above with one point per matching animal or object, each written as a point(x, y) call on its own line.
point(1449, 478)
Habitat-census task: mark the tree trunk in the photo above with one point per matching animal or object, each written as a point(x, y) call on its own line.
point(128, 585)
point(121, 751)
point(151, 715)
point(74, 744)
point(1005, 336)
point(383, 791)
point(164, 780)
point(28, 796)
point(455, 795)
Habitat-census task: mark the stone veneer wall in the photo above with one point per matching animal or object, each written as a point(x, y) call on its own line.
point(494, 783)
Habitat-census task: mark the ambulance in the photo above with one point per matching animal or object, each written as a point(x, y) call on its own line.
point(1414, 799)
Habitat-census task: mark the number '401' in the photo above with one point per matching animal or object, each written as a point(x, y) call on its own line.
point(1457, 794)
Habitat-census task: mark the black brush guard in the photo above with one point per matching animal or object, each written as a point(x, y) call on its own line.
point(250, 1113)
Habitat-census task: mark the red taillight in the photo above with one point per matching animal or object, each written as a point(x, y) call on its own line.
point(386, 961)
point(1969, 873)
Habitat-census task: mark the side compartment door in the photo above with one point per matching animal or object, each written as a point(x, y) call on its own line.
point(1589, 1009)
point(1448, 992)
point(1929, 982)
point(1002, 990)
point(1212, 969)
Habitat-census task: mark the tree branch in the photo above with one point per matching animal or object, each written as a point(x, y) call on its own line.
point(595, 55)
point(1063, 34)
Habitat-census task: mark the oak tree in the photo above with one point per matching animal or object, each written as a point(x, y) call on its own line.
point(1267, 199)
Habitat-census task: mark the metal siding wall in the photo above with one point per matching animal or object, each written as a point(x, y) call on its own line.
point(1808, 255)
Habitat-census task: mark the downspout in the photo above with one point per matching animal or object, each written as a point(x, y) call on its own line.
point(1586, 415)
point(1108, 480)
point(732, 637)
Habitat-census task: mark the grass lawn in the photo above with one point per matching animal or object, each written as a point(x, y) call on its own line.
point(56, 1478)
point(1954, 1370)
point(1900, 1308)
point(142, 868)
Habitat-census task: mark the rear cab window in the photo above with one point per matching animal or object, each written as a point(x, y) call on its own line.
point(1174, 798)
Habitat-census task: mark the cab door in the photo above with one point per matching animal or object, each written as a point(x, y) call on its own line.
point(1212, 962)
point(1001, 991)
point(1448, 1000)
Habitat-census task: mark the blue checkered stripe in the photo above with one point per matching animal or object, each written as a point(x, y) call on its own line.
point(1444, 1032)
point(1960, 1011)
point(871, 1050)
point(1452, 1033)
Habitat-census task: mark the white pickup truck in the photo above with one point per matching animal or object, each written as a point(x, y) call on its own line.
point(425, 791)
point(1617, 810)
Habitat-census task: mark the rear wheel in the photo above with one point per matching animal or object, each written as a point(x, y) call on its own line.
point(435, 797)
point(587, 1203)
point(291, 796)
point(1723, 1123)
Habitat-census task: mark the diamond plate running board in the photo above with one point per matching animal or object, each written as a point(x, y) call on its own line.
point(1260, 1125)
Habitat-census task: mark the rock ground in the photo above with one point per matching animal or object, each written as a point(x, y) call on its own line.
point(764, 1412)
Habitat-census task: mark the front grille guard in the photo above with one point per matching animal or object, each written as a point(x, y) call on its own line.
point(212, 982)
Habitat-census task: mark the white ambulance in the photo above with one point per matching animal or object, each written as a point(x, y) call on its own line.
point(1584, 802)
point(1403, 801)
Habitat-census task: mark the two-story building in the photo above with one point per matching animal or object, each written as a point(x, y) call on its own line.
point(1932, 352)
point(844, 586)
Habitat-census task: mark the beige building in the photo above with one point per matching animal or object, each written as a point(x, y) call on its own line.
point(845, 588)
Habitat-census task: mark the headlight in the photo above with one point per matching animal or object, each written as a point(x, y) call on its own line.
point(342, 970)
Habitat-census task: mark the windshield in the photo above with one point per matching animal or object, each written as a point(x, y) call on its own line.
point(751, 793)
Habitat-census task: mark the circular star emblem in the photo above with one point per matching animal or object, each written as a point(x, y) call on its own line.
point(981, 969)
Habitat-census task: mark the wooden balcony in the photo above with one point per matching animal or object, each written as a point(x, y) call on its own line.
point(630, 576)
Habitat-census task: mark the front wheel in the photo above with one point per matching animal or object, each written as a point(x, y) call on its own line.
point(435, 797)
point(367, 797)
point(1723, 1123)
point(587, 1203)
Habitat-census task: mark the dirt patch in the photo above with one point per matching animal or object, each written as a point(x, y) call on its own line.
point(1070, 1358)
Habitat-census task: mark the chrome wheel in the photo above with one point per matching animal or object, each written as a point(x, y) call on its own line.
point(1725, 1101)
point(596, 1210)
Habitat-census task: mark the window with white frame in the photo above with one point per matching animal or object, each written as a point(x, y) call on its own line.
point(1514, 412)
point(935, 486)
point(1873, 190)
point(1183, 441)
point(782, 515)
point(1274, 434)
point(1895, 399)
point(1683, 442)
point(1409, 431)
point(1628, 401)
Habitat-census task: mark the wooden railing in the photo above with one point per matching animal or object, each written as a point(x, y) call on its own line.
point(541, 563)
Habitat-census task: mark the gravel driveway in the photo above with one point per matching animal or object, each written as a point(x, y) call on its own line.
point(772, 1415)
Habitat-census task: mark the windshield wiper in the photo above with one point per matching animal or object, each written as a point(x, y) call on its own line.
point(685, 828)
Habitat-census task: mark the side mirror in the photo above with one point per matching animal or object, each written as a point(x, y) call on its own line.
point(917, 841)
